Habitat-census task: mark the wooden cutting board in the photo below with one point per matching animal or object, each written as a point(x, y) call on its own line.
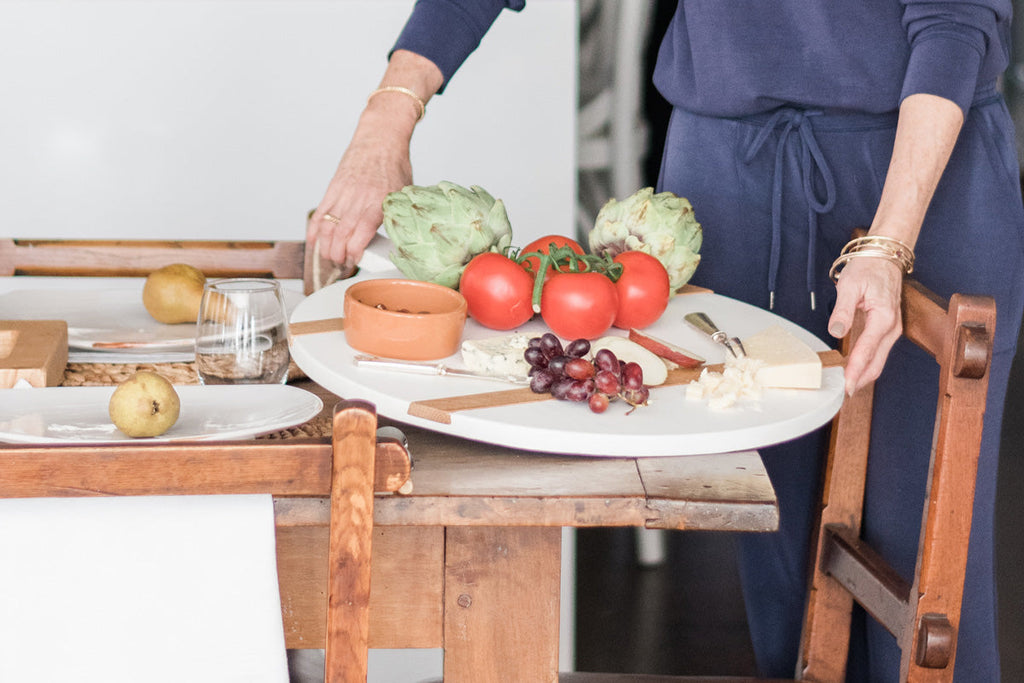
point(33, 350)
point(441, 409)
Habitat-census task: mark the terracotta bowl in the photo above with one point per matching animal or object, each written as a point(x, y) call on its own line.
point(404, 319)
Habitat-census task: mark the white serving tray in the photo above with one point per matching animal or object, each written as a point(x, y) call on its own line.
point(670, 425)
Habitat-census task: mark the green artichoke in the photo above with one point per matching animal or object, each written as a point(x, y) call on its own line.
point(662, 225)
point(437, 230)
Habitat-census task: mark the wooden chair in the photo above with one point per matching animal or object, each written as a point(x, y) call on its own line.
point(348, 468)
point(924, 614)
point(137, 258)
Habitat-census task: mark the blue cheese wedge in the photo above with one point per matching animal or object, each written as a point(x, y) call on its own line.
point(786, 361)
point(497, 356)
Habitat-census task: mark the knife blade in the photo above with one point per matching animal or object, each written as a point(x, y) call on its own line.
point(438, 369)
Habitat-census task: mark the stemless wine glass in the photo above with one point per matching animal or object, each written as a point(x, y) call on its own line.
point(242, 333)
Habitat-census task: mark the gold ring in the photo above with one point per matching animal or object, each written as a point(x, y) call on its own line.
point(332, 219)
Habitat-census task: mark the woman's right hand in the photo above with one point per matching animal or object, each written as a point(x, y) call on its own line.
point(374, 165)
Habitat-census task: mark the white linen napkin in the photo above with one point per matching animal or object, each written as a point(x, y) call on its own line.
point(154, 589)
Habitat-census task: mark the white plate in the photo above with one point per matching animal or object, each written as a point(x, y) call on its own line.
point(97, 317)
point(670, 425)
point(79, 414)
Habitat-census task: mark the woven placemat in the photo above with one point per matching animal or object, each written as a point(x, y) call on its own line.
point(110, 374)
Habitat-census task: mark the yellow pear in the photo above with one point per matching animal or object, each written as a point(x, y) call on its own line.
point(145, 404)
point(172, 293)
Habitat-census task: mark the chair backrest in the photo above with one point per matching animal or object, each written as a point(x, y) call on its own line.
point(349, 468)
point(924, 614)
point(137, 258)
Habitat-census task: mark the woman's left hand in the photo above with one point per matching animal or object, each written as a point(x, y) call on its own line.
point(872, 285)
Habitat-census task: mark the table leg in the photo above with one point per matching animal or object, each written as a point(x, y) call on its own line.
point(501, 604)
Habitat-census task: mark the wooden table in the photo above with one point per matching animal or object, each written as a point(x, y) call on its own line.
point(469, 560)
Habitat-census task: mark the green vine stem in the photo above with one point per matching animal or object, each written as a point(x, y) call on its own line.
point(564, 260)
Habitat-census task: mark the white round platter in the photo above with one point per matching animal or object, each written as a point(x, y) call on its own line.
point(669, 425)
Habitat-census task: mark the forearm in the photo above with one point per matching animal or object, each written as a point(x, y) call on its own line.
point(376, 161)
point(925, 135)
point(396, 113)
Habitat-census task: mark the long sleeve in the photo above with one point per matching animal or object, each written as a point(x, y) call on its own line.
point(954, 46)
point(736, 57)
point(447, 31)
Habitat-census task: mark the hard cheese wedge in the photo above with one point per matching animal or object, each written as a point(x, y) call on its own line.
point(788, 363)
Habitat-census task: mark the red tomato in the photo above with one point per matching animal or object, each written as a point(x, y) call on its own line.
point(579, 305)
point(498, 291)
point(643, 290)
point(543, 245)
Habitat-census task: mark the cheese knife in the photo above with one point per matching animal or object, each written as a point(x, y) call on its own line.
point(702, 322)
point(439, 369)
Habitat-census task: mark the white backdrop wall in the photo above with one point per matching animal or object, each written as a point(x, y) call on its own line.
point(226, 118)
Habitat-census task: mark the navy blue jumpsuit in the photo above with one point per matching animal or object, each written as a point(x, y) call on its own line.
point(783, 125)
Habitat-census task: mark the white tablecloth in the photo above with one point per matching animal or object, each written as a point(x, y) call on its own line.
point(140, 589)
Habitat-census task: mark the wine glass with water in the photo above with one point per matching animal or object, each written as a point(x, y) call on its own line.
point(242, 333)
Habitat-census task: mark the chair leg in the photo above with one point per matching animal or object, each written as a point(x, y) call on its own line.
point(827, 620)
point(929, 639)
point(351, 533)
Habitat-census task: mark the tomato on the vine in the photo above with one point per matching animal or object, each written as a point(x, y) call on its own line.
point(643, 289)
point(579, 305)
point(543, 245)
point(498, 291)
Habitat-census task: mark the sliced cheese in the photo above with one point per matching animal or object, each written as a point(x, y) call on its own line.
point(654, 366)
point(498, 356)
point(787, 362)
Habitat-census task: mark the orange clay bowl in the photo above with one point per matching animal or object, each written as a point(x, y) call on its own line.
point(404, 319)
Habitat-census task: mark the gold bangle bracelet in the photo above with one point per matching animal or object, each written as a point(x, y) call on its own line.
point(405, 91)
point(874, 246)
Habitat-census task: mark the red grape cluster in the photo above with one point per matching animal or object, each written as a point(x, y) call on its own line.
point(568, 375)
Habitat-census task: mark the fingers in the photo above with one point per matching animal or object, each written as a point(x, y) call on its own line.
point(868, 355)
point(326, 233)
point(841, 320)
point(872, 286)
point(358, 242)
point(334, 235)
point(343, 235)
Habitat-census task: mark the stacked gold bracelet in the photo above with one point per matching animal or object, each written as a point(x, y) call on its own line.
point(405, 91)
point(875, 246)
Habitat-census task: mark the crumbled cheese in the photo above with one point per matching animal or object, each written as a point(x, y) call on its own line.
point(722, 390)
point(498, 356)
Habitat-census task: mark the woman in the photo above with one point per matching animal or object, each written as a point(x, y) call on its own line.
point(793, 123)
